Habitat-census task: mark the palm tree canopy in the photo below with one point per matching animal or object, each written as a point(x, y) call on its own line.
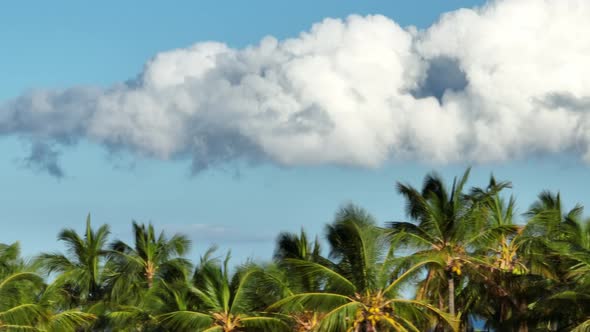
point(360, 288)
point(222, 300)
point(81, 268)
point(152, 258)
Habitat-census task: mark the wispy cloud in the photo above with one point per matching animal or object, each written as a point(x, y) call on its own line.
point(220, 234)
point(357, 92)
point(44, 158)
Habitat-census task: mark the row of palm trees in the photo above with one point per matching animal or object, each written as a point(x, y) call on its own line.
point(464, 259)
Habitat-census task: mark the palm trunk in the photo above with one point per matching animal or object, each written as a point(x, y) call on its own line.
point(150, 281)
point(150, 270)
point(440, 327)
point(451, 295)
point(422, 291)
point(523, 326)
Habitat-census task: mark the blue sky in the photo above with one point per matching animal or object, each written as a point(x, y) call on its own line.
point(64, 43)
point(239, 205)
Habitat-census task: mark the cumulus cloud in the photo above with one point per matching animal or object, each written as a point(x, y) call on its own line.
point(493, 83)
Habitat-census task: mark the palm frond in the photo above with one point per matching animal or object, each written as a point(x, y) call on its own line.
point(260, 323)
point(323, 302)
point(312, 269)
point(186, 320)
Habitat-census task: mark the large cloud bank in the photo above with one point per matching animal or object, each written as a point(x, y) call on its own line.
point(495, 83)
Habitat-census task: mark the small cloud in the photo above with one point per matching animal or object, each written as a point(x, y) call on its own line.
point(215, 233)
point(44, 158)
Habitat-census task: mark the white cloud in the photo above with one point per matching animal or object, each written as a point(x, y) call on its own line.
point(515, 54)
point(489, 84)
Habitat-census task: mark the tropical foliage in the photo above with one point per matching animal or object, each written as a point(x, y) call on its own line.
point(464, 259)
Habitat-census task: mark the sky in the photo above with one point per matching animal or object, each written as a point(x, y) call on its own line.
point(233, 121)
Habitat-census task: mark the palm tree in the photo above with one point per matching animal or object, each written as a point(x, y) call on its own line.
point(222, 303)
point(81, 269)
point(10, 260)
point(279, 279)
point(152, 258)
point(360, 291)
point(18, 307)
point(577, 297)
point(143, 315)
point(501, 292)
point(505, 254)
point(447, 225)
point(56, 318)
point(559, 245)
point(19, 288)
point(551, 231)
point(530, 262)
point(26, 304)
point(292, 246)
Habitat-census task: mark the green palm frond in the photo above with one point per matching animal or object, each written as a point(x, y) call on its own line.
point(186, 320)
point(488, 236)
point(323, 302)
point(82, 267)
point(412, 270)
point(127, 318)
point(583, 327)
point(26, 314)
point(315, 270)
point(410, 234)
point(261, 323)
point(240, 301)
point(31, 277)
point(67, 321)
point(152, 259)
point(340, 318)
point(451, 321)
